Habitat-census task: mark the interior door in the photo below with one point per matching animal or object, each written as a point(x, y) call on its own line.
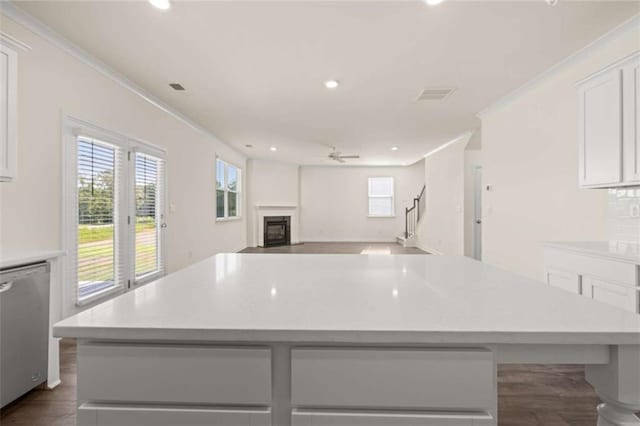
point(477, 213)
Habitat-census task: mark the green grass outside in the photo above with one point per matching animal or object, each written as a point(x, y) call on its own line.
point(92, 233)
point(96, 259)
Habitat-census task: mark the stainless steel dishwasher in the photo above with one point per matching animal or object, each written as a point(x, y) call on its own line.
point(24, 329)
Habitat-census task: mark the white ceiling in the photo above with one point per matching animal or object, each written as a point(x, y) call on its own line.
point(254, 71)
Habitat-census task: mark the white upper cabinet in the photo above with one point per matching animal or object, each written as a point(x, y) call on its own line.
point(631, 118)
point(608, 117)
point(8, 112)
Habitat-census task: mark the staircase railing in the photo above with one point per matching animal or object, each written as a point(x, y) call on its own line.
point(412, 214)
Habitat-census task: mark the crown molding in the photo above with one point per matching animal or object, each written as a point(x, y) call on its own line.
point(629, 25)
point(38, 27)
point(464, 137)
point(13, 42)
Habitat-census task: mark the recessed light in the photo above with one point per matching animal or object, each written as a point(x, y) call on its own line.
point(161, 4)
point(434, 2)
point(394, 148)
point(273, 148)
point(331, 84)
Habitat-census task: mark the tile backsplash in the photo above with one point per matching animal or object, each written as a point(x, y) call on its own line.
point(623, 215)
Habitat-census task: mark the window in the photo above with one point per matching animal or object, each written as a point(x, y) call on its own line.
point(228, 190)
point(381, 197)
point(114, 212)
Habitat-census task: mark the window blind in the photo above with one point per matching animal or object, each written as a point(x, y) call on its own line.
point(381, 196)
point(149, 188)
point(99, 169)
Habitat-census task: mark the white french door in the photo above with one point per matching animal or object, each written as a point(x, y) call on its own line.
point(147, 216)
point(114, 212)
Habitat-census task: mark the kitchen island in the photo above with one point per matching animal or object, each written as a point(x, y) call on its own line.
point(339, 340)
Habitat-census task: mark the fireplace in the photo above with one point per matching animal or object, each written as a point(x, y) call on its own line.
point(277, 231)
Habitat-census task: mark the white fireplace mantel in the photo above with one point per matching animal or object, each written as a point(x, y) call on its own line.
point(276, 209)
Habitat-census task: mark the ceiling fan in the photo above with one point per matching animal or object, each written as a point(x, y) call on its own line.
point(337, 156)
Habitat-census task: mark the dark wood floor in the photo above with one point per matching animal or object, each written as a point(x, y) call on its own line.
point(531, 395)
point(43, 407)
point(338, 248)
point(528, 395)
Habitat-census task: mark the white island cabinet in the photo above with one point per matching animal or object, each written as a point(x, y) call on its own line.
point(604, 271)
point(609, 125)
point(339, 340)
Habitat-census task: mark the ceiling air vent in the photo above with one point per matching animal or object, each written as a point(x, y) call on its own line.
point(177, 86)
point(436, 93)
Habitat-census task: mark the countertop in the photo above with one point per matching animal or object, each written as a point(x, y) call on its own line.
point(616, 250)
point(352, 298)
point(15, 257)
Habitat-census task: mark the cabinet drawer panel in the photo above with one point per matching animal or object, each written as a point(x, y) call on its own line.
point(617, 295)
point(355, 418)
point(620, 272)
point(92, 415)
point(174, 374)
point(412, 378)
point(564, 280)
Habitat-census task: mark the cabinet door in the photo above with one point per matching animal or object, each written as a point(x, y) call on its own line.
point(354, 418)
point(8, 113)
point(456, 379)
point(621, 296)
point(600, 132)
point(101, 415)
point(631, 120)
point(565, 280)
point(168, 374)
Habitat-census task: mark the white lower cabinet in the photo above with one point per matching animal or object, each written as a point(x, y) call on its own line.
point(393, 378)
point(123, 384)
point(621, 296)
point(569, 281)
point(206, 375)
point(104, 415)
point(607, 280)
point(393, 386)
point(355, 418)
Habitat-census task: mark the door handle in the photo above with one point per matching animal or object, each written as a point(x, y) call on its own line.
point(6, 286)
point(479, 221)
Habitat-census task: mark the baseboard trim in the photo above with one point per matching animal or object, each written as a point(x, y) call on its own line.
point(393, 241)
point(430, 250)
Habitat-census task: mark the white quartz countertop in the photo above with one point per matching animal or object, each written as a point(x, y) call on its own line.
point(15, 257)
point(616, 250)
point(351, 298)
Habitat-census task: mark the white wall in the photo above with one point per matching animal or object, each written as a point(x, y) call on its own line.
point(52, 83)
point(269, 182)
point(442, 230)
point(530, 158)
point(334, 202)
